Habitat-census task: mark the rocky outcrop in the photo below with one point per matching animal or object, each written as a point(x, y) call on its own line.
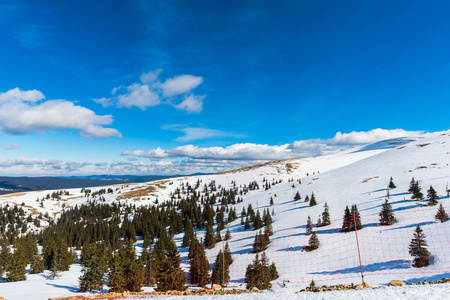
point(339, 287)
point(396, 283)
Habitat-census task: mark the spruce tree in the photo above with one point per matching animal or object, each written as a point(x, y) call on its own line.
point(418, 250)
point(5, 254)
point(227, 253)
point(441, 215)
point(313, 201)
point(37, 264)
point(355, 217)
point(415, 190)
point(188, 234)
point(261, 242)
point(221, 271)
point(210, 238)
point(247, 223)
point(258, 223)
point(307, 198)
point(313, 243)
point(347, 220)
point(309, 226)
point(94, 269)
point(149, 262)
point(199, 266)
point(169, 275)
point(227, 235)
point(432, 196)
point(387, 215)
point(260, 273)
point(391, 184)
point(297, 196)
point(271, 201)
point(326, 216)
point(16, 270)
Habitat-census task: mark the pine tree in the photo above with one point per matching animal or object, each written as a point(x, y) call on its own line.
point(247, 223)
point(441, 214)
point(326, 215)
point(221, 272)
point(297, 196)
point(94, 269)
point(149, 262)
point(259, 273)
point(210, 238)
point(227, 253)
point(313, 201)
point(258, 223)
point(355, 216)
point(307, 198)
point(188, 234)
point(432, 196)
point(415, 190)
point(418, 250)
point(313, 243)
point(261, 242)
point(37, 264)
point(169, 275)
point(309, 226)
point(16, 270)
point(412, 184)
point(228, 235)
point(199, 266)
point(387, 215)
point(391, 184)
point(347, 220)
point(5, 255)
point(271, 201)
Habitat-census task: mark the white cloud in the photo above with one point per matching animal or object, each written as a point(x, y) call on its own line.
point(139, 95)
point(191, 104)
point(181, 84)
point(12, 147)
point(22, 112)
point(150, 77)
point(262, 152)
point(151, 92)
point(368, 137)
point(17, 95)
point(199, 133)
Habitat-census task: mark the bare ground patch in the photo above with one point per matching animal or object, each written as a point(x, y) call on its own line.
point(368, 179)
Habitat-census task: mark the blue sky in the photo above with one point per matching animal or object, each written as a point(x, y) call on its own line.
point(169, 87)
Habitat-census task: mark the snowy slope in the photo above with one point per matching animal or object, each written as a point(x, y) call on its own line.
point(357, 176)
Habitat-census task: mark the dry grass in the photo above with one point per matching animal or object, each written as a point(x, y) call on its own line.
point(143, 191)
point(367, 179)
point(421, 167)
point(13, 195)
point(422, 145)
point(286, 164)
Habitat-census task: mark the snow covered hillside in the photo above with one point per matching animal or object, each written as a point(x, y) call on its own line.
point(358, 176)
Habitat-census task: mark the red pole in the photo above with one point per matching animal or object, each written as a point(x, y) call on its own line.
point(359, 253)
point(223, 266)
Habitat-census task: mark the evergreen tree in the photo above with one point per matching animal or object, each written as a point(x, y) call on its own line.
point(307, 198)
point(169, 275)
point(199, 266)
point(297, 196)
point(37, 264)
point(227, 235)
point(258, 223)
point(148, 260)
point(5, 254)
point(355, 216)
point(441, 214)
point(432, 196)
point(261, 242)
point(227, 253)
point(271, 201)
point(347, 220)
point(309, 226)
point(313, 201)
point(247, 223)
point(210, 238)
point(221, 271)
point(94, 269)
point(188, 234)
point(259, 273)
point(125, 270)
point(326, 216)
point(418, 250)
point(313, 243)
point(16, 270)
point(387, 215)
point(415, 190)
point(391, 184)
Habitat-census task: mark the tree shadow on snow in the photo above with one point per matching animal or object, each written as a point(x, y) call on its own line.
point(70, 288)
point(382, 266)
point(412, 225)
point(292, 249)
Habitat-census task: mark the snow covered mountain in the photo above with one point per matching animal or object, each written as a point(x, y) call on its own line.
point(358, 176)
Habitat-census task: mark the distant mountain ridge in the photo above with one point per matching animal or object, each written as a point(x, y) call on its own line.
point(10, 185)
